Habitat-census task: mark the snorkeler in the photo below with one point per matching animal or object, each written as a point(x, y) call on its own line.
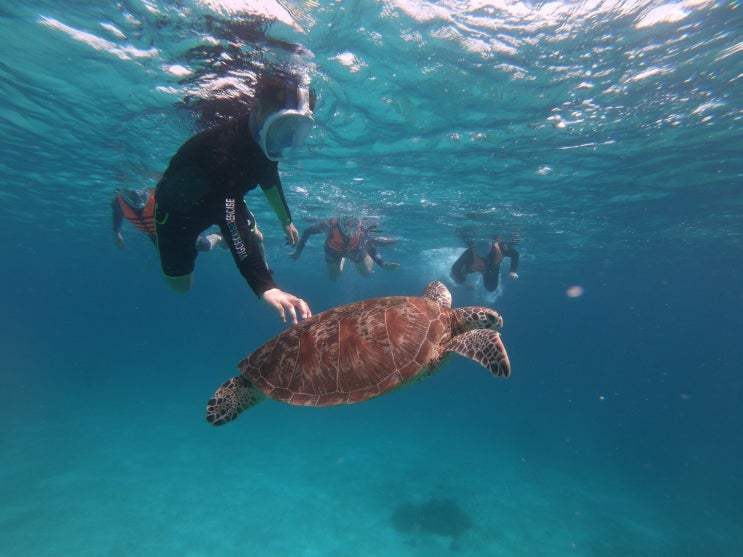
point(207, 178)
point(346, 237)
point(138, 207)
point(471, 262)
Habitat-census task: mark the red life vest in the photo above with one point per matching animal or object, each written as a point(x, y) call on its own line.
point(339, 243)
point(144, 220)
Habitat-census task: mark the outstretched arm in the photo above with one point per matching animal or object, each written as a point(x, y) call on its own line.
point(284, 303)
point(511, 253)
point(246, 251)
point(377, 258)
point(317, 228)
point(118, 220)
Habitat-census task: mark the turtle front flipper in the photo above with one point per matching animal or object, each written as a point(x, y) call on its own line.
point(231, 399)
point(485, 347)
point(437, 292)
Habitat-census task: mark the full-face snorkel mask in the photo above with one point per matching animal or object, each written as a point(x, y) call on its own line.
point(136, 199)
point(348, 226)
point(285, 130)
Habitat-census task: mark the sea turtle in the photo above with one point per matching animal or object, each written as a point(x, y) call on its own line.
point(361, 350)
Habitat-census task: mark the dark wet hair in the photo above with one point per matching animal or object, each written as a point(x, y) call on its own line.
point(272, 92)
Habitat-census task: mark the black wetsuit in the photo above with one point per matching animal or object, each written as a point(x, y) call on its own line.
point(338, 246)
point(204, 185)
point(463, 266)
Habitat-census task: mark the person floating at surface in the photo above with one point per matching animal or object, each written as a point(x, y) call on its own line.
point(138, 207)
point(345, 237)
point(207, 178)
point(471, 262)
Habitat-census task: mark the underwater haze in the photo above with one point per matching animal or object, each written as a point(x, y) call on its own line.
point(604, 136)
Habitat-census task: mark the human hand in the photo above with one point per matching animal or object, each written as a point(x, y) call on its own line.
point(390, 265)
point(284, 303)
point(292, 234)
point(119, 240)
point(512, 275)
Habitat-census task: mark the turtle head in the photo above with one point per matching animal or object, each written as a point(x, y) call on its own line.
point(231, 399)
point(479, 317)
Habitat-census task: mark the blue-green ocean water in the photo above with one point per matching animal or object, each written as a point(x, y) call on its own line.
point(605, 135)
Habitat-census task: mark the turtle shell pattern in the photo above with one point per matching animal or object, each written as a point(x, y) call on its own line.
point(351, 353)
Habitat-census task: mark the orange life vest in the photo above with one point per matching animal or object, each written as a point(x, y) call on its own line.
point(339, 243)
point(144, 220)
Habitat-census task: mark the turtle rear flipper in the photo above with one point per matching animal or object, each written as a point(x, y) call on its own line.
point(485, 347)
point(231, 399)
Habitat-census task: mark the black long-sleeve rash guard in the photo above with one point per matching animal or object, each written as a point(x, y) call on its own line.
point(206, 181)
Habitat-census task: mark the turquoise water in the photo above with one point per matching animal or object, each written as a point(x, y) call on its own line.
point(606, 136)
